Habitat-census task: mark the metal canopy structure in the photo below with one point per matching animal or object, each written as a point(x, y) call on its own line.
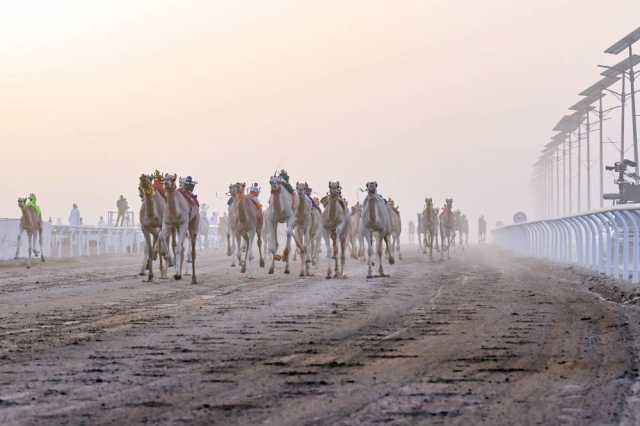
point(599, 86)
point(567, 123)
point(622, 66)
point(624, 43)
point(584, 105)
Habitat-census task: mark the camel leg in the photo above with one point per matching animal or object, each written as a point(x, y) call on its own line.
point(343, 246)
point(182, 233)
point(300, 245)
point(369, 239)
point(29, 253)
point(379, 248)
point(260, 249)
point(238, 254)
point(147, 254)
point(287, 248)
point(18, 243)
point(40, 244)
point(273, 246)
point(398, 247)
point(387, 243)
point(247, 241)
point(194, 240)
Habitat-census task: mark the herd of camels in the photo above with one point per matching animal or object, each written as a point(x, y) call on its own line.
point(170, 214)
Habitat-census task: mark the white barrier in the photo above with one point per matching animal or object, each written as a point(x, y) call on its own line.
point(606, 241)
point(9, 238)
point(74, 241)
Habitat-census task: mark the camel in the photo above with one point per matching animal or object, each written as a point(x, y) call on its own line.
point(430, 231)
point(248, 225)
point(447, 230)
point(182, 217)
point(31, 223)
point(376, 222)
point(231, 220)
point(436, 227)
point(396, 228)
point(464, 236)
point(457, 230)
point(302, 227)
point(335, 222)
point(315, 233)
point(420, 231)
point(280, 211)
point(482, 229)
point(355, 234)
point(151, 218)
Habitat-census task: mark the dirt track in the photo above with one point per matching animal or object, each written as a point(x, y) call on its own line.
point(483, 338)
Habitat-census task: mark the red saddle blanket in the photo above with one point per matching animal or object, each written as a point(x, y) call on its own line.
point(190, 196)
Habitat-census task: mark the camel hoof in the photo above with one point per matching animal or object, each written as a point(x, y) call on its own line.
point(28, 267)
point(42, 258)
point(302, 274)
point(243, 270)
point(369, 276)
point(286, 271)
point(194, 281)
point(141, 274)
point(262, 263)
point(177, 277)
point(271, 271)
point(328, 276)
point(392, 261)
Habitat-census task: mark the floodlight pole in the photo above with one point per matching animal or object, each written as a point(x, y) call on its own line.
point(564, 176)
point(588, 163)
point(622, 102)
point(600, 116)
point(570, 177)
point(557, 153)
point(579, 165)
point(633, 111)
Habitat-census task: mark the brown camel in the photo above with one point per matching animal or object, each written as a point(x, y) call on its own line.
point(151, 217)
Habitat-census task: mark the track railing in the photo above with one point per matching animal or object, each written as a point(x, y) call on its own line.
point(605, 241)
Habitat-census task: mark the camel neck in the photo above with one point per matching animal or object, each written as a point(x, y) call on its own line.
point(372, 208)
point(277, 205)
point(171, 203)
point(148, 202)
point(333, 201)
point(242, 214)
point(300, 209)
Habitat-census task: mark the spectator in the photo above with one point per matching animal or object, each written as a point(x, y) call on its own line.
point(123, 207)
point(74, 216)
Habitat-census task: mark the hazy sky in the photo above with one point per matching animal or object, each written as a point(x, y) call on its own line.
point(429, 98)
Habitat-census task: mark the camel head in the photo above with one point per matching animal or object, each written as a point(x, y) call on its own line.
point(301, 188)
point(428, 202)
point(22, 202)
point(274, 181)
point(334, 188)
point(170, 182)
point(449, 203)
point(240, 188)
point(372, 187)
point(146, 184)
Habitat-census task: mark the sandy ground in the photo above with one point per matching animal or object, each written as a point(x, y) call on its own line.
point(485, 338)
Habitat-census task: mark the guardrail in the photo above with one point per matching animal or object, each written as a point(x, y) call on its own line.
point(605, 241)
point(75, 241)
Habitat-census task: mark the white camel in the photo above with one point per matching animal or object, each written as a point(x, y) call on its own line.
point(335, 221)
point(182, 217)
point(151, 218)
point(447, 230)
point(375, 223)
point(31, 223)
point(280, 211)
point(428, 219)
point(303, 226)
point(396, 228)
point(355, 234)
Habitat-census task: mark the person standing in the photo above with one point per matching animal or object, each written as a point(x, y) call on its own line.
point(123, 206)
point(74, 216)
point(412, 231)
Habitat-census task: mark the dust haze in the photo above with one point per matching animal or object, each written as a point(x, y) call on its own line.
point(429, 98)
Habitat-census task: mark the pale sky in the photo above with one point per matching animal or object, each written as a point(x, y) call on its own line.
point(429, 98)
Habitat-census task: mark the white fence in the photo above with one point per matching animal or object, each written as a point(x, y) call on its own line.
point(605, 241)
point(74, 241)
